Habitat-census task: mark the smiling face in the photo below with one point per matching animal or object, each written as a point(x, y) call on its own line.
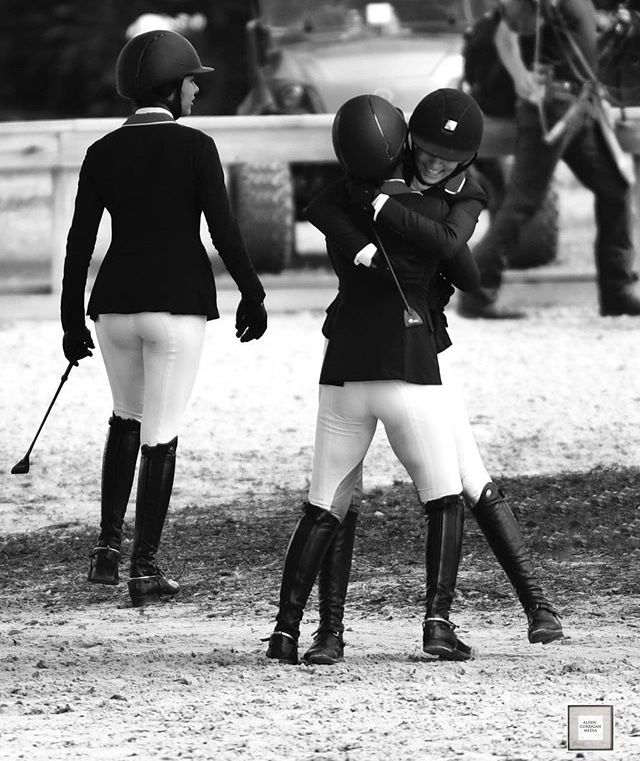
point(431, 169)
point(188, 93)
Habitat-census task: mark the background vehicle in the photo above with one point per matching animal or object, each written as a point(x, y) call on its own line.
point(310, 60)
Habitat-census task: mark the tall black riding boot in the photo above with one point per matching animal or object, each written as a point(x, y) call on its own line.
point(445, 523)
point(309, 542)
point(118, 468)
point(155, 482)
point(504, 536)
point(333, 580)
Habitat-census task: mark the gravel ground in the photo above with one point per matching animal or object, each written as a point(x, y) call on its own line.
point(554, 394)
point(193, 687)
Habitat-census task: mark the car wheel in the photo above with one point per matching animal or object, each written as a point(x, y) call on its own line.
point(262, 197)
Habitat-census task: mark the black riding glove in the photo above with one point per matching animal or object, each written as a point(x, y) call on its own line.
point(444, 290)
point(251, 320)
point(76, 344)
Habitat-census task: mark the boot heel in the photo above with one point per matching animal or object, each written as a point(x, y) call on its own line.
point(103, 568)
point(327, 649)
point(149, 589)
point(544, 625)
point(283, 648)
point(439, 639)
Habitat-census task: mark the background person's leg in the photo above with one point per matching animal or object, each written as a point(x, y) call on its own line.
point(590, 160)
point(533, 166)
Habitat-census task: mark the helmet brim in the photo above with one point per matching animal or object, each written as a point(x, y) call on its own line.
point(201, 70)
point(442, 152)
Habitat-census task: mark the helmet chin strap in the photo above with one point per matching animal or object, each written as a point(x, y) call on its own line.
point(463, 165)
point(416, 171)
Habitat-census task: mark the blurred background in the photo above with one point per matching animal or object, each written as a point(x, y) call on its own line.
point(272, 57)
point(57, 58)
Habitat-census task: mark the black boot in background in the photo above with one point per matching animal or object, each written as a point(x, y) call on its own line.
point(445, 523)
point(118, 469)
point(504, 536)
point(333, 580)
point(147, 582)
point(309, 542)
point(624, 300)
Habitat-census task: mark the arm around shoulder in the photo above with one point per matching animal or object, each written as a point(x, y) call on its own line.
point(438, 239)
point(329, 212)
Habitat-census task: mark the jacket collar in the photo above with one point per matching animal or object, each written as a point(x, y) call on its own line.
point(455, 184)
point(149, 116)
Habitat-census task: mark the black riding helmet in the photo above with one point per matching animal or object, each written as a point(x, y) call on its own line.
point(369, 136)
point(447, 123)
point(156, 62)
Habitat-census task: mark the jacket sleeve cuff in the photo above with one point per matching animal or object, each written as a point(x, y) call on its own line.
point(377, 203)
point(365, 255)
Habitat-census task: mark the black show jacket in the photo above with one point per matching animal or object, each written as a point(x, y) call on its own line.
point(367, 336)
point(155, 180)
point(368, 339)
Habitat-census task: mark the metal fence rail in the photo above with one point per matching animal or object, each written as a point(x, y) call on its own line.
point(59, 147)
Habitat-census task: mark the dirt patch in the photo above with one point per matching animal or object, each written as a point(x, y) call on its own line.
point(188, 679)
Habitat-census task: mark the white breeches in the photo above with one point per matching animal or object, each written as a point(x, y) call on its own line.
point(473, 473)
point(417, 423)
point(152, 360)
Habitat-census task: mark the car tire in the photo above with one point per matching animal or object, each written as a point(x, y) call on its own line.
point(538, 243)
point(262, 197)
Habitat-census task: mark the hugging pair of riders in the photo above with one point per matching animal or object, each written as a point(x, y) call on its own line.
point(397, 228)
